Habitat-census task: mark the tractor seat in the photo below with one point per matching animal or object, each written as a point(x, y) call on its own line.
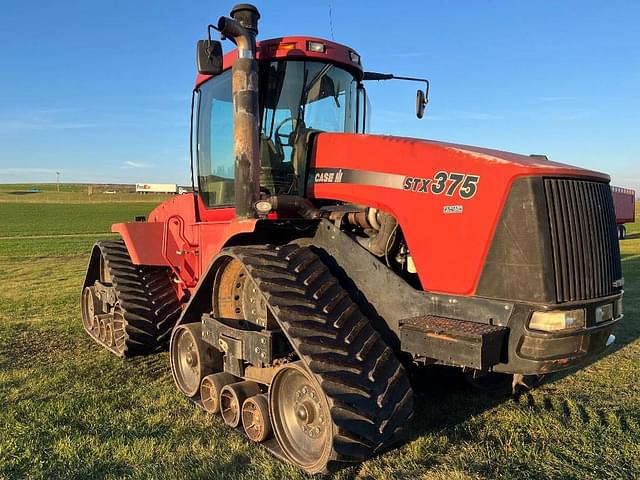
point(276, 175)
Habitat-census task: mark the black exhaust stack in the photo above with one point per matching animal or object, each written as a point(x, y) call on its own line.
point(242, 29)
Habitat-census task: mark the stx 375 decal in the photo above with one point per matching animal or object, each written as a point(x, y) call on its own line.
point(444, 182)
point(447, 183)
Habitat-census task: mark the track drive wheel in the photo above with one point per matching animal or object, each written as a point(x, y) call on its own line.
point(191, 358)
point(301, 417)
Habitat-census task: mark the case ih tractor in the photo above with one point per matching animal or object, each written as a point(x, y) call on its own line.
point(315, 265)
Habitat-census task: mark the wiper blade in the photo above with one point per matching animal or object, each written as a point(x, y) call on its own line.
point(323, 71)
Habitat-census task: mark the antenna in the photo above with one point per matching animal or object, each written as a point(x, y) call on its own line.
point(330, 20)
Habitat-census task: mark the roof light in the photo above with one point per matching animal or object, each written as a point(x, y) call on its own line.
point(355, 58)
point(287, 46)
point(315, 46)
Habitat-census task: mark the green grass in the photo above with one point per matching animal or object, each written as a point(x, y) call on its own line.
point(39, 193)
point(33, 219)
point(69, 409)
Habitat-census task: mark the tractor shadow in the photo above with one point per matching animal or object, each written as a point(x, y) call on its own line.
point(444, 398)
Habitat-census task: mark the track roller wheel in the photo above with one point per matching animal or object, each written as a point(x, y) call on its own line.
point(210, 390)
point(108, 334)
point(90, 307)
point(301, 417)
point(231, 399)
point(255, 418)
point(191, 358)
point(102, 329)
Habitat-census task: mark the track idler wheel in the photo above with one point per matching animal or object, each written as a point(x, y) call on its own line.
point(301, 417)
point(255, 418)
point(191, 358)
point(210, 390)
point(232, 398)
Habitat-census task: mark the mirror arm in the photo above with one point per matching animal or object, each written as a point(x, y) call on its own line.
point(391, 76)
point(212, 27)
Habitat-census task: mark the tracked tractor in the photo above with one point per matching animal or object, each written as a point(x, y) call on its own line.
point(315, 265)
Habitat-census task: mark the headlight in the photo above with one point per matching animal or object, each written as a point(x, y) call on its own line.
point(556, 321)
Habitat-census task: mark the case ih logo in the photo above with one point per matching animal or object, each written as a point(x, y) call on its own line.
point(328, 177)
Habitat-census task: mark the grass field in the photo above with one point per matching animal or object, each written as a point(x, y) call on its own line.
point(69, 409)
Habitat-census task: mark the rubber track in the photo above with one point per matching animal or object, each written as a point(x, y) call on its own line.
point(368, 391)
point(147, 299)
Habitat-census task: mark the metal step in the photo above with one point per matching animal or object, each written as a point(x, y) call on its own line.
point(451, 341)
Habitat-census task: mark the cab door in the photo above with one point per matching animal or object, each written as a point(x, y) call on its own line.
point(213, 148)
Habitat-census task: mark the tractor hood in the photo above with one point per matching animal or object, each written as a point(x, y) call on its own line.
point(413, 156)
point(447, 198)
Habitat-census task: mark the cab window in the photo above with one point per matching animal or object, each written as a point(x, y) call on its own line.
point(216, 164)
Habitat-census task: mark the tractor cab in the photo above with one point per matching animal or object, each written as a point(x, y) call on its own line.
point(305, 85)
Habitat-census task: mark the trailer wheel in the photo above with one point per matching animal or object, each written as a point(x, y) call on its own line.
point(622, 232)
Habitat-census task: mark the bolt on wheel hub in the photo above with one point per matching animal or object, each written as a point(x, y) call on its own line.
point(309, 411)
point(300, 416)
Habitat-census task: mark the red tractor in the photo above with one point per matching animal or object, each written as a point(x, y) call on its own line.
point(315, 265)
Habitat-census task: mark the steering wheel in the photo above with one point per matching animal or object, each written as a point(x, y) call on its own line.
point(284, 139)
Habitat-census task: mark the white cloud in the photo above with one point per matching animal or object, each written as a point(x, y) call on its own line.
point(130, 164)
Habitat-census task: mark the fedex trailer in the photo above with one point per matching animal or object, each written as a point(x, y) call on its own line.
point(156, 188)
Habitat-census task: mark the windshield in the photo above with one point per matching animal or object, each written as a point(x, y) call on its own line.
point(296, 98)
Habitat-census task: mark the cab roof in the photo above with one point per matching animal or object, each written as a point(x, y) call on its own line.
point(298, 48)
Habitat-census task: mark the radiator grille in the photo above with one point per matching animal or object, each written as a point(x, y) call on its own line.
point(586, 254)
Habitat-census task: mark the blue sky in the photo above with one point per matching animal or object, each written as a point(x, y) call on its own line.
point(100, 91)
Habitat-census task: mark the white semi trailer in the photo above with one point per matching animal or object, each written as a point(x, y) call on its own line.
point(156, 188)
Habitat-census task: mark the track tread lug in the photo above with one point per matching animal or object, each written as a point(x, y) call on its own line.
point(149, 304)
point(367, 388)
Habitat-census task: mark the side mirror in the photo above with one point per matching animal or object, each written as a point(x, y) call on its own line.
point(421, 103)
point(209, 57)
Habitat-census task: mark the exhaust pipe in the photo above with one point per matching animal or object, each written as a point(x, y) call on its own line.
point(242, 29)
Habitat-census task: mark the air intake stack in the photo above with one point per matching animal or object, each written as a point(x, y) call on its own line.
point(242, 29)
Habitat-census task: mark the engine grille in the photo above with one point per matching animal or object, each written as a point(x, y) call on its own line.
point(586, 253)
